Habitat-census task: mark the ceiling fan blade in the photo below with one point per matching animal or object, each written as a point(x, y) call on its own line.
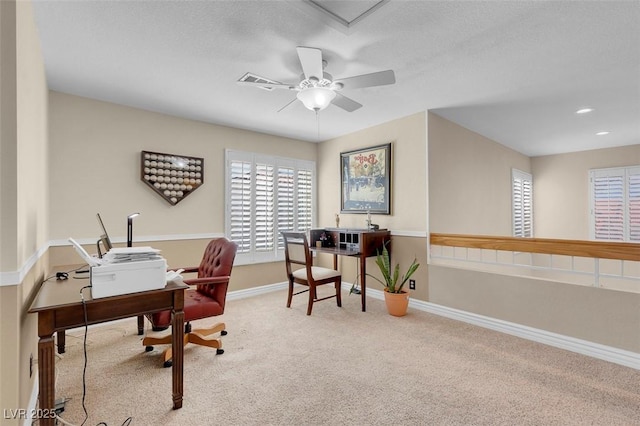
point(345, 103)
point(311, 61)
point(379, 78)
point(289, 103)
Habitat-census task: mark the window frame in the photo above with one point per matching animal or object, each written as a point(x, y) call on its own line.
point(275, 253)
point(625, 173)
point(523, 176)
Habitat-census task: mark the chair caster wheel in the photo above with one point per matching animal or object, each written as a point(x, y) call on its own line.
point(223, 333)
point(148, 348)
point(219, 351)
point(167, 364)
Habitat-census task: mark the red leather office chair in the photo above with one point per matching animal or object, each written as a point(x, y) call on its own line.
point(207, 299)
point(296, 252)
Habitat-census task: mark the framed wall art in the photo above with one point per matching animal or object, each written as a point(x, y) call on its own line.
point(172, 176)
point(366, 180)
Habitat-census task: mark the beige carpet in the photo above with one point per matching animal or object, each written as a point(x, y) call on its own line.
point(342, 366)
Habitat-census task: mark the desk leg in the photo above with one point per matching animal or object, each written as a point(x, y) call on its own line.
point(46, 378)
point(140, 325)
point(363, 282)
point(61, 339)
point(177, 349)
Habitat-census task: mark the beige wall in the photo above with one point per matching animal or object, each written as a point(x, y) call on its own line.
point(403, 251)
point(469, 181)
point(408, 219)
point(82, 131)
point(33, 199)
point(95, 161)
point(409, 199)
point(561, 189)
point(470, 186)
point(597, 315)
point(95, 167)
point(24, 208)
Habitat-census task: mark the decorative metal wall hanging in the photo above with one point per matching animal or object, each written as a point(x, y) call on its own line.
point(173, 176)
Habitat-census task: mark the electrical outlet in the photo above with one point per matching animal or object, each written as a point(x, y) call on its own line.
point(412, 284)
point(30, 365)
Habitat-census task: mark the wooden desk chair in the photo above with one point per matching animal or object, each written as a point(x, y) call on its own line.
point(207, 299)
point(296, 251)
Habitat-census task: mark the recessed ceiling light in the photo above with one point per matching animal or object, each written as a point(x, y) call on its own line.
point(602, 133)
point(584, 110)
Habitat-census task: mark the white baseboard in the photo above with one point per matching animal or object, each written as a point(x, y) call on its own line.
point(584, 347)
point(255, 291)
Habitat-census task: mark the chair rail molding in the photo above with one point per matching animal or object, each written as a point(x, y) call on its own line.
point(11, 278)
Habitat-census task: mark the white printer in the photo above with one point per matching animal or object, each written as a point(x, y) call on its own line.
point(125, 270)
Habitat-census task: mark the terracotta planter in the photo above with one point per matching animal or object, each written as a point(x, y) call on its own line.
point(397, 303)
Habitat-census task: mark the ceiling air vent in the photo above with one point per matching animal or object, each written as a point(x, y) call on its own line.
point(252, 78)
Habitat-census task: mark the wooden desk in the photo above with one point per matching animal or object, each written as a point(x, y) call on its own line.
point(344, 243)
point(59, 307)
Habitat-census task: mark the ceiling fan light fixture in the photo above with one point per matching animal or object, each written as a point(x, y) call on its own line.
point(316, 98)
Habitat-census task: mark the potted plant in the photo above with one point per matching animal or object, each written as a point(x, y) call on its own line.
point(396, 299)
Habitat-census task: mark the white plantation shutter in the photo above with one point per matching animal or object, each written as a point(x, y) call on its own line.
point(239, 204)
point(286, 204)
point(305, 199)
point(265, 196)
point(615, 204)
point(522, 203)
point(633, 180)
point(608, 207)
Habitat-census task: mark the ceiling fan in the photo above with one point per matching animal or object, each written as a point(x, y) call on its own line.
point(317, 89)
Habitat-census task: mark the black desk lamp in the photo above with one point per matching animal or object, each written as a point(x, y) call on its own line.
point(130, 228)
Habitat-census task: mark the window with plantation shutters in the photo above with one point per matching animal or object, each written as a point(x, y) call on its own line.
point(522, 203)
point(266, 195)
point(615, 204)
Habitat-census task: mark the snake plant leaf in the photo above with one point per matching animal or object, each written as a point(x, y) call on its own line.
point(390, 281)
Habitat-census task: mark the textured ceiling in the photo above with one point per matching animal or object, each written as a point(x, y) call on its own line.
point(514, 71)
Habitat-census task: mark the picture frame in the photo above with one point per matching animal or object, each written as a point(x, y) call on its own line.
point(366, 180)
